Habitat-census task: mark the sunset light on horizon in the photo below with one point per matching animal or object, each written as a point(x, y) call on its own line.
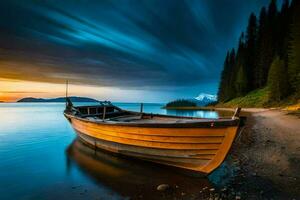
point(13, 90)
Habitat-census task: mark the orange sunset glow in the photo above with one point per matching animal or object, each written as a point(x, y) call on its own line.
point(12, 90)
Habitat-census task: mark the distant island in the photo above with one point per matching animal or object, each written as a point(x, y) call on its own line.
point(196, 103)
point(55, 100)
point(180, 103)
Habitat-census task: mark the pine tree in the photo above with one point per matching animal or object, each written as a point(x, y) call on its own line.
point(250, 61)
point(231, 79)
point(277, 80)
point(283, 31)
point(241, 82)
point(270, 38)
point(262, 53)
point(226, 89)
point(251, 35)
point(223, 83)
point(273, 25)
point(294, 52)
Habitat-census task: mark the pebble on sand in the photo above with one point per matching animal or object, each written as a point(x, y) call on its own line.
point(163, 187)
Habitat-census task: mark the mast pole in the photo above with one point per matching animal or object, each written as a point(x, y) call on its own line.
point(67, 85)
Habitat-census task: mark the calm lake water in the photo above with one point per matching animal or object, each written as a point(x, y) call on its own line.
point(41, 158)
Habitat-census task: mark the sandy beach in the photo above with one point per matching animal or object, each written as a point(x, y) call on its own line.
point(268, 155)
point(264, 162)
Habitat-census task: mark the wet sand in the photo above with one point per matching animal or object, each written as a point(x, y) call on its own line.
point(268, 155)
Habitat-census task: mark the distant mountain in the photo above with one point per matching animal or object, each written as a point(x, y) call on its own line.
point(54, 100)
point(203, 99)
point(206, 97)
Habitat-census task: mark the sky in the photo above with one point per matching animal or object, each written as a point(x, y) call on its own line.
point(118, 50)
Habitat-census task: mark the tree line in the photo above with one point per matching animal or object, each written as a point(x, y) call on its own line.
point(267, 55)
point(181, 103)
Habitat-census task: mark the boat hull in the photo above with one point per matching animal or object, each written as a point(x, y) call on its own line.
point(198, 148)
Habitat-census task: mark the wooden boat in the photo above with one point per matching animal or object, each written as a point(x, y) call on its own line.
point(186, 142)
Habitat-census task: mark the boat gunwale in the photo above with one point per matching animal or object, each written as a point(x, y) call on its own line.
point(149, 114)
point(209, 123)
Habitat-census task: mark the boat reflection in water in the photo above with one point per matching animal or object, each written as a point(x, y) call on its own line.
point(130, 178)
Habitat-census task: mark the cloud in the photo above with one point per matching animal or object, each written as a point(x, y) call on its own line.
point(126, 44)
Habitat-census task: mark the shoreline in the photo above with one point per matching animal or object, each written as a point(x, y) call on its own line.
point(267, 154)
point(265, 157)
point(291, 109)
point(210, 108)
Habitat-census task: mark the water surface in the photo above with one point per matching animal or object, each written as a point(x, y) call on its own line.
point(41, 158)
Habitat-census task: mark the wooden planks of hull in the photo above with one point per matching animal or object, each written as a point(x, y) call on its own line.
point(180, 158)
point(198, 149)
point(120, 147)
point(153, 144)
point(155, 138)
point(173, 132)
point(164, 138)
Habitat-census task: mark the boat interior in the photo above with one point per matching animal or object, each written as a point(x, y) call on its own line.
point(111, 113)
point(108, 112)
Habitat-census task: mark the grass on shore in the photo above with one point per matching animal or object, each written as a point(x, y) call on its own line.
point(255, 99)
point(260, 99)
